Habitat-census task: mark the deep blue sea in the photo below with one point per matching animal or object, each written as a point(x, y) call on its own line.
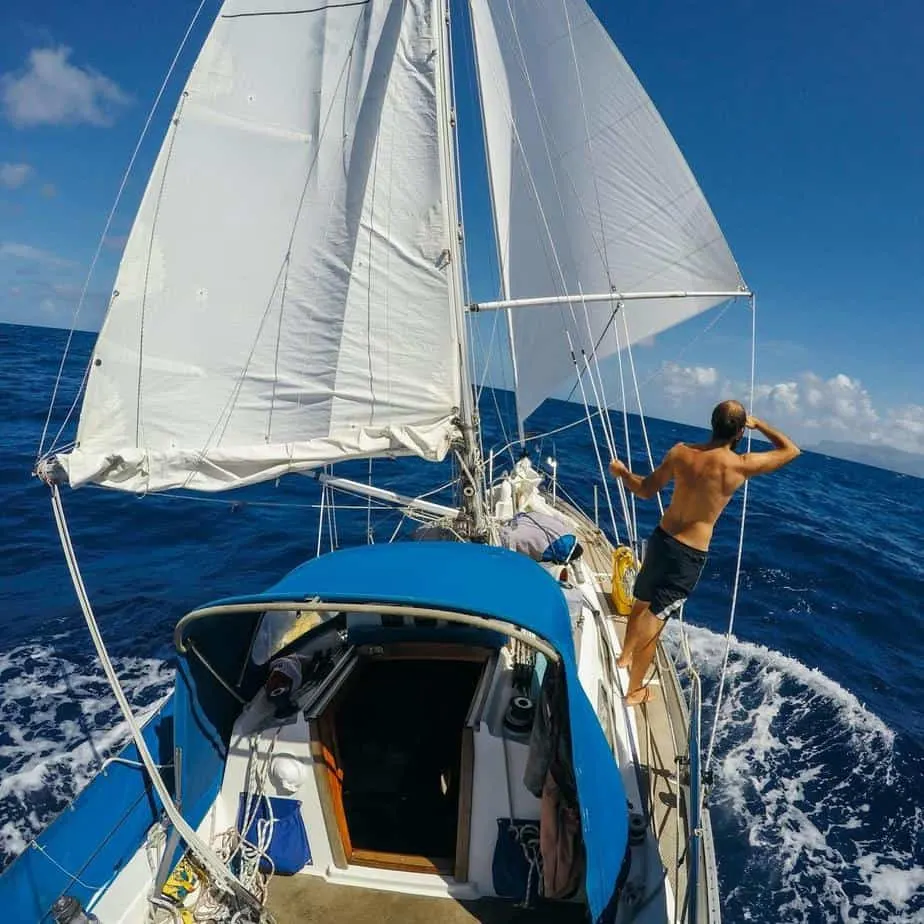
point(817, 806)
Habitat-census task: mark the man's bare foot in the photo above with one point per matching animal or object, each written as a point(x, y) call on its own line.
point(625, 660)
point(640, 696)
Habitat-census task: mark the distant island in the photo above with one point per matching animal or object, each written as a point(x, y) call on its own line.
point(878, 455)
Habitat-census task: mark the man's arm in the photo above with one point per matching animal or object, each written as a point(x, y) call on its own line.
point(646, 488)
point(760, 463)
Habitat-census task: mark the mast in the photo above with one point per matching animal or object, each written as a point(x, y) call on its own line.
point(472, 501)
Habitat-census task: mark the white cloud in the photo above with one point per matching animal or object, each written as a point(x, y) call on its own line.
point(12, 176)
point(840, 402)
point(683, 382)
point(52, 91)
point(783, 396)
point(809, 406)
point(32, 254)
point(904, 428)
point(841, 408)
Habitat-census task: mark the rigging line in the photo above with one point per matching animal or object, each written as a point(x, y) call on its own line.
point(603, 409)
point(625, 426)
point(551, 162)
point(397, 528)
point(486, 354)
point(541, 436)
point(99, 246)
point(71, 877)
point(195, 498)
point(590, 149)
point(490, 352)
point(660, 371)
point(599, 340)
point(317, 553)
point(476, 92)
point(593, 437)
point(638, 398)
point(332, 536)
point(554, 250)
point(314, 9)
point(593, 366)
point(223, 877)
point(522, 149)
point(546, 145)
point(370, 537)
point(728, 304)
point(744, 510)
point(600, 400)
point(645, 105)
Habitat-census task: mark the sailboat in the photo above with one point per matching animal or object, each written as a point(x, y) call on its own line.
point(431, 728)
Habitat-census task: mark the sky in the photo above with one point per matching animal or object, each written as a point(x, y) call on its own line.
point(803, 122)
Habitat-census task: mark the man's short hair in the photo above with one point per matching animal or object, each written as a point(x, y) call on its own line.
point(728, 420)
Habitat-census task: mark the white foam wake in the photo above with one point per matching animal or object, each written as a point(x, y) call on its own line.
point(813, 817)
point(58, 722)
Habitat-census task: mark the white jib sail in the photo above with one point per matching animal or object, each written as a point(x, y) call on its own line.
point(591, 193)
point(284, 296)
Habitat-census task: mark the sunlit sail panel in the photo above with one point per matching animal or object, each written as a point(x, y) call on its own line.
point(591, 193)
point(283, 298)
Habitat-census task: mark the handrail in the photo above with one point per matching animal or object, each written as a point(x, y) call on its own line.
point(390, 609)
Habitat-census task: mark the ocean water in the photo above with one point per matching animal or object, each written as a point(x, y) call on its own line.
point(819, 753)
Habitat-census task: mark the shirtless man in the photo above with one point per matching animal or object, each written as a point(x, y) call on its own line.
point(705, 477)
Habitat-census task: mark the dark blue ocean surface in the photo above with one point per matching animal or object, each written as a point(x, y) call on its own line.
point(820, 745)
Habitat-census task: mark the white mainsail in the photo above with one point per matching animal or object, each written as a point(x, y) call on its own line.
point(590, 192)
point(284, 300)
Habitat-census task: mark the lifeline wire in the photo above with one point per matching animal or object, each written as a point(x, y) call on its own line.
point(744, 510)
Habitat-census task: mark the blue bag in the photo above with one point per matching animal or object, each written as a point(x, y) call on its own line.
point(288, 848)
point(517, 864)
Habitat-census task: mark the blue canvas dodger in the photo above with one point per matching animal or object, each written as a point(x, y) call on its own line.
point(497, 584)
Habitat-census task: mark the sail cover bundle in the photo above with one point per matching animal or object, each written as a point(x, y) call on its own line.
point(591, 194)
point(283, 300)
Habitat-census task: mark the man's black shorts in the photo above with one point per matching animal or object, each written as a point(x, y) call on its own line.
point(669, 573)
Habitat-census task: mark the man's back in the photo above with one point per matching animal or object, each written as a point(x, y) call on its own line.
point(706, 475)
point(705, 478)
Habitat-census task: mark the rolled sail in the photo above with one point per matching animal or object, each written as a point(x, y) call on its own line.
point(283, 300)
point(591, 194)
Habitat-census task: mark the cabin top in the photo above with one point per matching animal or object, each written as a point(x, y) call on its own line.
point(478, 579)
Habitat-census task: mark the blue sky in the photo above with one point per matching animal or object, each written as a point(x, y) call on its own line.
point(804, 123)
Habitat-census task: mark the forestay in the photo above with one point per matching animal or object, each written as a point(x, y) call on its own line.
point(591, 193)
point(284, 296)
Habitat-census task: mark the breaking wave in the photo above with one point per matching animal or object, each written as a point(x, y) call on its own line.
point(58, 722)
point(812, 786)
